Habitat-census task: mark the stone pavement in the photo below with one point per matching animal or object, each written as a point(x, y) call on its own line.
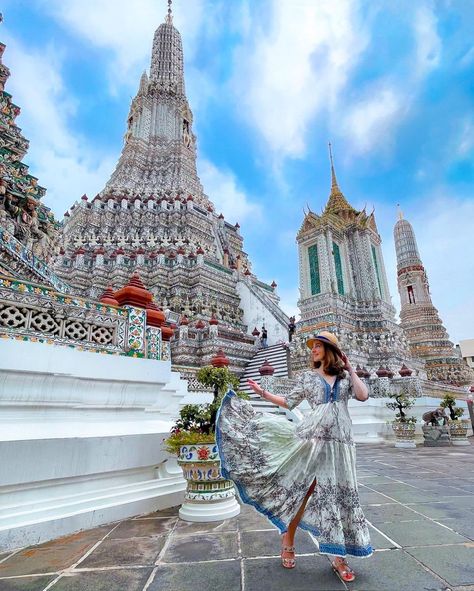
point(419, 503)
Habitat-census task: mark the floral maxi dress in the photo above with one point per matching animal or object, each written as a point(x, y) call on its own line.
point(273, 463)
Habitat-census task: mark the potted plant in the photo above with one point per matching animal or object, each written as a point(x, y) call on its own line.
point(403, 426)
point(209, 496)
point(457, 427)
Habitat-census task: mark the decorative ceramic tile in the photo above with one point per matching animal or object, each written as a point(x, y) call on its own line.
point(136, 329)
point(153, 343)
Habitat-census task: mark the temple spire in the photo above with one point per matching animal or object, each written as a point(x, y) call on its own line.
point(336, 202)
point(334, 185)
point(169, 17)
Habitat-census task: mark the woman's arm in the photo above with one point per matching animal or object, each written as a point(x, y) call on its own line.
point(278, 400)
point(361, 392)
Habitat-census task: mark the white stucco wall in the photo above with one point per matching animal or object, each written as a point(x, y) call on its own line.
point(256, 314)
point(81, 440)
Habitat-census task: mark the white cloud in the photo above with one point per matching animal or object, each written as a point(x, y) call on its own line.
point(65, 163)
point(295, 68)
point(465, 142)
point(467, 59)
point(126, 30)
point(428, 43)
point(228, 198)
point(371, 121)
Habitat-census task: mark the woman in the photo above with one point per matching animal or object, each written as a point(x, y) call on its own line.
point(302, 474)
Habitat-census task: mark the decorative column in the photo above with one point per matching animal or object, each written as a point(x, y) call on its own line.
point(267, 379)
point(213, 330)
point(134, 298)
point(183, 328)
point(155, 319)
point(256, 335)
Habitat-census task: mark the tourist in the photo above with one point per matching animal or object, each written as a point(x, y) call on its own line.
point(291, 328)
point(263, 338)
point(302, 474)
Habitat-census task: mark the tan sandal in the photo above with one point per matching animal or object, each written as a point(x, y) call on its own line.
point(288, 562)
point(343, 571)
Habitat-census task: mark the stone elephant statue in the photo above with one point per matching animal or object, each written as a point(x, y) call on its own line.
point(432, 417)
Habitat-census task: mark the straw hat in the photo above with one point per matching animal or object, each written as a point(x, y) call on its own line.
point(328, 338)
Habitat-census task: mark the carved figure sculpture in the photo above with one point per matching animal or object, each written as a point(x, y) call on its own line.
point(432, 417)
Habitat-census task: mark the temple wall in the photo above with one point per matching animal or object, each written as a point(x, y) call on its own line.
point(81, 440)
point(258, 313)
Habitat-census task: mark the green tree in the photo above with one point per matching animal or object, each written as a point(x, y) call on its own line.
point(449, 402)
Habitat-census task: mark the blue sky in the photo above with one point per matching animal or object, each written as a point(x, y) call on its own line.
point(391, 84)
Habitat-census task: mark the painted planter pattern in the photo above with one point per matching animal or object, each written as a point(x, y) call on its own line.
point(404, 432)
point(201, 467)
point(458, 432)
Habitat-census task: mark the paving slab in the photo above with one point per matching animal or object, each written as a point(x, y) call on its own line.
point(105, 580)
point(251, 519)
point(389, 513)
point(368, 497)
point(185, 528)
point(143, 528)
point(421, 534)
point(52, 556)
point(133, 552)
point(455, 564)
point(268, 543)
point(378, 540)
point(312, 573)
point(208, 576)
point(393, 570)
point(465, 526)
point(26, 583)
point(202, 547)
point(440, 511)
point(416, 496)
point(170, 512)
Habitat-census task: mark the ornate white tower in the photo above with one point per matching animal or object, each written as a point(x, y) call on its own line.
point(153, 217)
point(159, 155)
point(420, 320)
point(343, 283)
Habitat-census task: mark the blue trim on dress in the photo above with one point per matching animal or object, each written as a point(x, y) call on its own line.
point(334, 549)
point(341, 550)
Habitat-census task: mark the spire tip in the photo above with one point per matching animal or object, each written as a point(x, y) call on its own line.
point(333, 173)
point(169, 18)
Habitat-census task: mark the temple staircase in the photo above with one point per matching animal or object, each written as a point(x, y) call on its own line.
point(17, 261)
point(277, 357)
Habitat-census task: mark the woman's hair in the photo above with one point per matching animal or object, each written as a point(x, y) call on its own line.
point(332, 364)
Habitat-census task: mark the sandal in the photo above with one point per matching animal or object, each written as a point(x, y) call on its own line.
point(285, 561)
point(343, 571)
point(288, 562)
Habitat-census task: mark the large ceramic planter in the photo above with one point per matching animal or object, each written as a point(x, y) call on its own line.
point(404, 434)
point(458, 432)
point(209, 496)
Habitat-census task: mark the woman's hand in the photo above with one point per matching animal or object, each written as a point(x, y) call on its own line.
point(256, 387)
point(347, 363)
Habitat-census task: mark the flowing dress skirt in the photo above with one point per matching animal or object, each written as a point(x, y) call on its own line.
point(273, 463)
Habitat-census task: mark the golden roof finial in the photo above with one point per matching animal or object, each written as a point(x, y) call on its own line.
point(337, 202)
point(169, 18)
point(334, 184)
point(400, 212)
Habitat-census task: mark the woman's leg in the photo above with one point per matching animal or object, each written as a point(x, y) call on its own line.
point(288, 538)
